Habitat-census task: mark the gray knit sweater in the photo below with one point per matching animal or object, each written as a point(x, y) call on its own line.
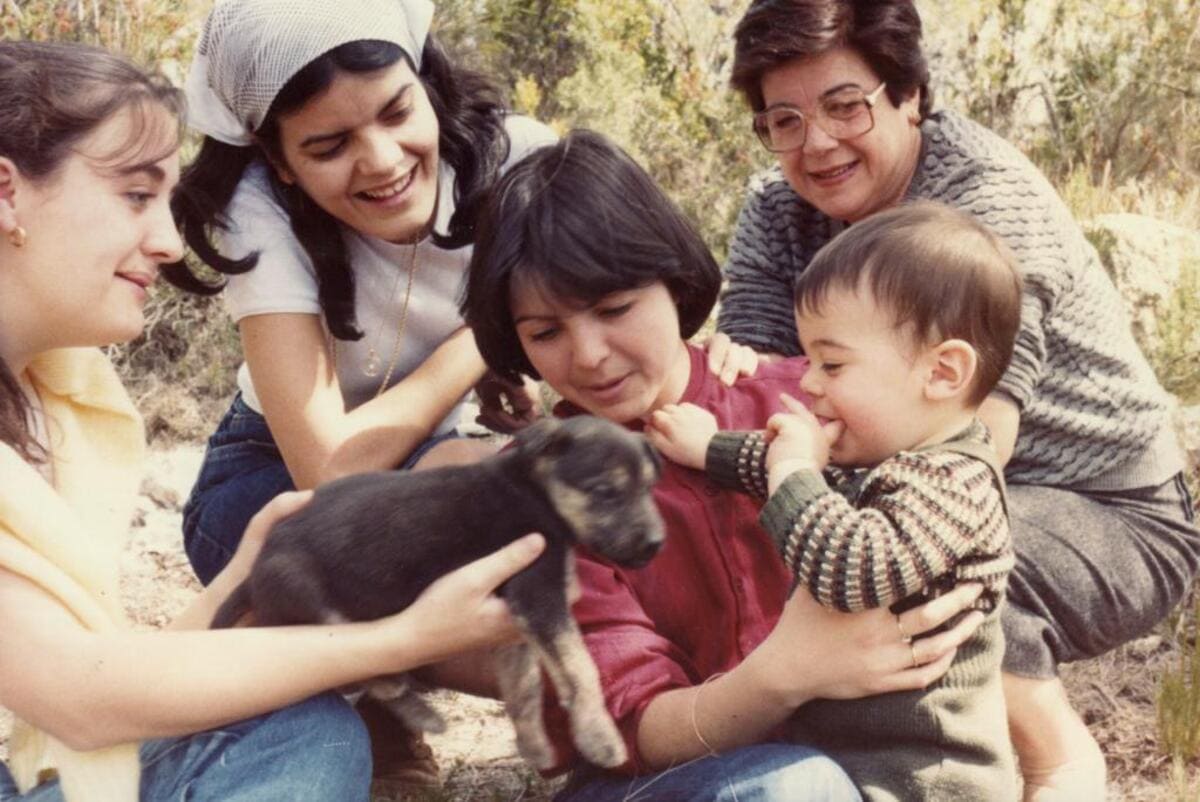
point(1093, 415)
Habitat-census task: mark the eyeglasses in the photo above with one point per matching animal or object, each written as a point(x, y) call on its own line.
point(844, 114)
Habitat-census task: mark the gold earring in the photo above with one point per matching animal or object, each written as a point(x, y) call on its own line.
point(17, 237)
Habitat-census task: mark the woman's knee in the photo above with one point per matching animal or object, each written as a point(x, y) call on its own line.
point(763, 772)
point(325, 725)
point(788, 773)
point(454, 451)
point(218, 510)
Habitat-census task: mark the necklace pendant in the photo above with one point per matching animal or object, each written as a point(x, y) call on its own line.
point(373, 365)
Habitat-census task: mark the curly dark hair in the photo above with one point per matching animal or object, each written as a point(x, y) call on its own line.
point(472, 140)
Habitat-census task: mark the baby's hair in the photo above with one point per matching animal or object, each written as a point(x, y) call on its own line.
point(940, 273)
point(579, 220)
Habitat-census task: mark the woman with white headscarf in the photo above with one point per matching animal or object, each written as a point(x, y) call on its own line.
point(343, 162)
point(337, 185)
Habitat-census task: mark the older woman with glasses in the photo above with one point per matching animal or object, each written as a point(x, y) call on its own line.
point(1101, 519)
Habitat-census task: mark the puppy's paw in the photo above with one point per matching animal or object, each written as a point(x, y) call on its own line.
point(534, 746)
point(600, 742)
point(407, 705)
point(417, 715)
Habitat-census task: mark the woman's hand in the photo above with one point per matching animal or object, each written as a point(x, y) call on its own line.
point(460, 612)
point(505, 406)
point(255, 536)
point(728, 360)
point(682, 433)
point(200, 613)
point(816, 653)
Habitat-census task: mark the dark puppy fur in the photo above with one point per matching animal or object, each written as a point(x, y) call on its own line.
point(367, 545)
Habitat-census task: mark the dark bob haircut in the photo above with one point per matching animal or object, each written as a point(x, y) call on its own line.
point(886, 33)
point(580, 220)
point(941, 273)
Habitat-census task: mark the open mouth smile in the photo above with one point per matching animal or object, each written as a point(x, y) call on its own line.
point(834, 174)
point(140, 280)
point(389, 192)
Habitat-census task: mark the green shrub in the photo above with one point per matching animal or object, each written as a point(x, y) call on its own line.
point(1179, 697)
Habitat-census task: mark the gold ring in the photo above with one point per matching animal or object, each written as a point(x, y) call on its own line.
point(904, 636)
point(912, 649)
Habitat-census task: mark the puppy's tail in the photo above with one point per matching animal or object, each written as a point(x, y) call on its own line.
point(236, 605)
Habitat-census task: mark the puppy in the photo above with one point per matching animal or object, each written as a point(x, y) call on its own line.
point(367, 545)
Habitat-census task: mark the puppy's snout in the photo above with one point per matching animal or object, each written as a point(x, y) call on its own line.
point(646, 551)
point(646, 547)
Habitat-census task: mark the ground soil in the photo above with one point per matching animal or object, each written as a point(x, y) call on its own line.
point(1116, 694)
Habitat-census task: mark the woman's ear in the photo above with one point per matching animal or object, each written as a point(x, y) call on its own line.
point(281, 170)
point(277, 164)
point(911, 107)
point(9, 177)
point(952, 370)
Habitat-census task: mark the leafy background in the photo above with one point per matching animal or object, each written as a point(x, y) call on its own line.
point(1104, 95)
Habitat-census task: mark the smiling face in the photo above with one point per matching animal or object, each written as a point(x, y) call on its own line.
point(846, 179)
point(868, 375)
point(366, 151)
point(619, 358)
point(98, 229)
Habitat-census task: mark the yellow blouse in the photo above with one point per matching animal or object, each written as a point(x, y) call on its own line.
point(67, 538)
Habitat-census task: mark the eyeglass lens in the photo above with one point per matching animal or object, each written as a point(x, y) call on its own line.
point(842, 115)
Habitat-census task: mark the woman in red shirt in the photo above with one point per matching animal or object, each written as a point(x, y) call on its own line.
point(585, 275)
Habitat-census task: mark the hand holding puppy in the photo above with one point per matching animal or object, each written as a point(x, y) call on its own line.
point(460, 612)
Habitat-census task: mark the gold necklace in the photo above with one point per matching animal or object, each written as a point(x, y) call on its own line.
point(371, 366)
point(412, 272)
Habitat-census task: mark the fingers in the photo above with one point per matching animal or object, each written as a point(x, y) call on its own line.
point(793, 405)
point(832, 430)
point(910, 678)
point(924, 660)
point(727, 360)
point(491, 571)
point(718, 350)
point(276, 510)
point(938, 611)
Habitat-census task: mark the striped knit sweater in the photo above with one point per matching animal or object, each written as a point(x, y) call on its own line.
point(918, 523)
point(1093, 415)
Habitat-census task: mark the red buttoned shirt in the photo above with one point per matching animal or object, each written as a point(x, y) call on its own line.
point(712, 593)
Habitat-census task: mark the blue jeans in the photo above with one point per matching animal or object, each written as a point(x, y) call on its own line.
point(241, 472)
point(761, 773)
point(314, 751)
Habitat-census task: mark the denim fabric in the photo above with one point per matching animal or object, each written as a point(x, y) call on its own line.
point(314, 751)
point(762, 773)
point(241, 472)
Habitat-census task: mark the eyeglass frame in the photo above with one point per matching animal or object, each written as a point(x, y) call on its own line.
point(870, 98)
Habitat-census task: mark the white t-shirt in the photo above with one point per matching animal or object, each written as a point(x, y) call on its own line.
point(284, 280)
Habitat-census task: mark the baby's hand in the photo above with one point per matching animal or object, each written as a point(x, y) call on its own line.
point(681, 432)
point(797, 441)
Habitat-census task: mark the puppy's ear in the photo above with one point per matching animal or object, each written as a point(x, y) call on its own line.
point(652, 456)
point(547, 437)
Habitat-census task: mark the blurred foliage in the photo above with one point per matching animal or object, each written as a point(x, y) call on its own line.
point(1112, 86)
point(1103, 94)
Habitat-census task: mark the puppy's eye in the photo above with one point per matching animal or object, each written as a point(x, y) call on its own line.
point(603, 491)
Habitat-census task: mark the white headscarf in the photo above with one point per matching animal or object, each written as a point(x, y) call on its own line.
point(249, 49)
